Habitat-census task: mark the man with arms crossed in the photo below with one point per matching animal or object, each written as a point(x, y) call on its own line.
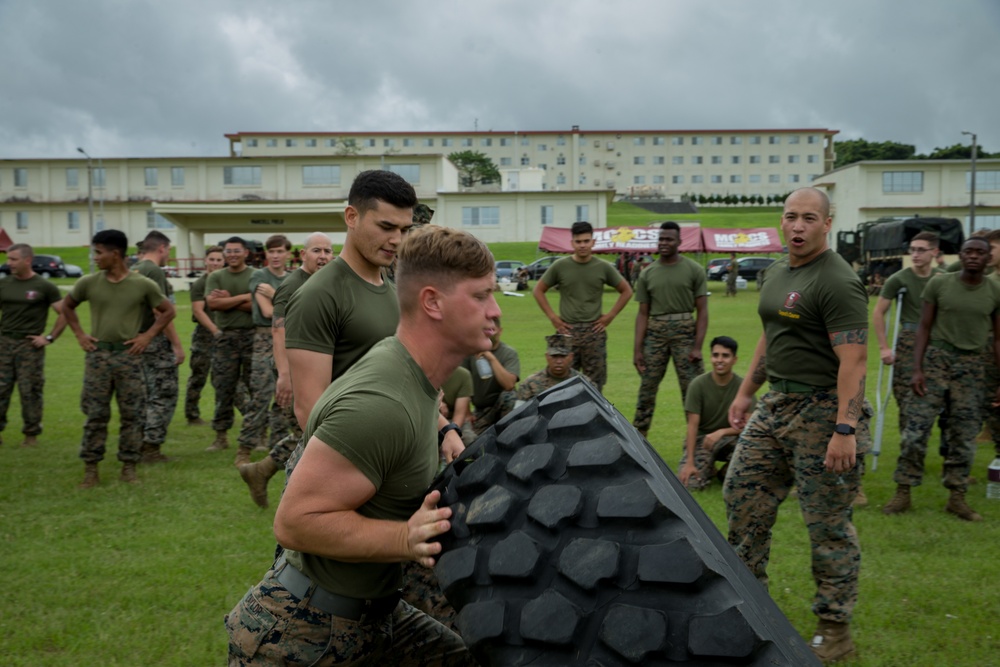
point(813, 352)
point(25, 298)
point(667, 292)
point(202, 339)
point(114, 351)
point(581, 279)
point(333, 595)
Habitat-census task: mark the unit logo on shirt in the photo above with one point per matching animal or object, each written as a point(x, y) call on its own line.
point(791, 299)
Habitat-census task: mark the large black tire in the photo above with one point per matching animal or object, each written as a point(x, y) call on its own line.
point(573, 543)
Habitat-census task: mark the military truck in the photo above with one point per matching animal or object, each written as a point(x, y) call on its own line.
point(878, 247)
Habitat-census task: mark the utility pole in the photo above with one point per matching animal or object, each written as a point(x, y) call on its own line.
point(972, 185)
point(90, 211)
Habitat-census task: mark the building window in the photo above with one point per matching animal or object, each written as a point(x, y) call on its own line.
point(676, 180)
point(480, 216)
point(639, 159)
point(793, 178)
point(505, 141)
point(241, 175)
point(467, 142)
point(735, 178)
point(525, 141)
point(812, 159)
point(638, 141)
point(388, 143)
point(368, 143)
point(903, 181)
point(561, 179)
point(100, 175)
point(427, 142)
point(548, 214)
point(447, 142)
point(152, 177)
point(755, 141)
point(177, 176)
point(793, 139)
point(272, 143)
point(560, 140)
point(486, 141)
point(754, 159)
point(156, 221)
point(716, 141)
point(659, 159)
point(251, 143)
point(561, 159)
point(793, 159)
point(542, 166)
point(525, 161)
point(321, 174)
point(985, 180)
point(543, 147)
point(330, 143)
point(659, 141)
point(639, 180)
point(291, 143)
point(505, 162)
point(72, 177)
point(774, 178)
point(22, 221)
point(812, 139)
point(310, 143)
point(407, 142)
point(20, 177)
point(735, 141)
point(717, 179)
point(716, 159)
point(697, 159)
point(582, 160)
point(676, 141)
point(774, 140)
point(735, 159)
point(73, 221)
point(774, 159)
point(697, 179)
point(697, 141)
point(755, 178)
point(677, 159)
point(409, 172)
point(582, 213)
point(985, 221)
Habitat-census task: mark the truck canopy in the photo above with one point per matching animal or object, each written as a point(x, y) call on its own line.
point(892, 238)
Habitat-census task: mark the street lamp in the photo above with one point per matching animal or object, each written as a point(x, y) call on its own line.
point(972, 204)
point(90, 210)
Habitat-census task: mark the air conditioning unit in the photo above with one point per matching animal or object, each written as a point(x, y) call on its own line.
point(611, 145)
point(610, 184)
point(597, 163)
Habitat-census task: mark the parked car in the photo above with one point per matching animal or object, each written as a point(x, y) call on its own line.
point(538, 268)
point(748, 268)
point(713, 263)
point(506, 268)
point(47, 266)
point(73, 271)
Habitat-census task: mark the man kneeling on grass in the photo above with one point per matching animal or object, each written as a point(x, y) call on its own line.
point(333, 595)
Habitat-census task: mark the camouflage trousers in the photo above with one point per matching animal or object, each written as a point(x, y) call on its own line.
point(705, 458)
point(108, 374)
point(232, 359)
point(590, 352)
point(954, 383)
point(22, 364)
point(991, 378)
point(200, 360)
point(282, 450)
point(785, 443)
point(263, 411)
point(731, 284)
point(902, 371)
point(270, 626)
point(160, 373)
point(665, 340)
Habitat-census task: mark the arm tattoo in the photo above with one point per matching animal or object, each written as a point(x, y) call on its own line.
point(852, 337)
point(856, 406)
point(759, 376)
point(278, 323)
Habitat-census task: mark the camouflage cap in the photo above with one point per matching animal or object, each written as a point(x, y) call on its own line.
point(422, 214)
point(559, 345)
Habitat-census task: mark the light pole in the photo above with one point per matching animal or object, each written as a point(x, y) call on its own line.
point(90, 210)
point(972, 185)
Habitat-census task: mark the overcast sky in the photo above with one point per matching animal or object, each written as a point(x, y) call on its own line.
point(136, 78)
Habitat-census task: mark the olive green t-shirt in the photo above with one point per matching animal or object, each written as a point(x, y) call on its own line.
point(914, 285)
point(711, 402)
point(964, 313)
point(259, 277)
point(116, 309)
point(458, 385)
point(800, 308)
point(581, 287)
point(197, 293)
point(671, 288)
point(338, 313)
point(151, 270)
point(486, 392)
point(25, 305)
point(382, 416)
point(292, 282)
point(235, 284)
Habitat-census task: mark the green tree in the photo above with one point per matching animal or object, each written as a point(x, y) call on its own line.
point(956, 152)
point(856, 150)
point(475, 167)
point(348, 147)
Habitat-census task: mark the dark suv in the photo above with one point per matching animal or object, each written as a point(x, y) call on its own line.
point(749, 267)
point(47, 266)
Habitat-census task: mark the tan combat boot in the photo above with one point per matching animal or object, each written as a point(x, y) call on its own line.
point(197, 421)
point(832, 642)
point(957, 506)
point(861, 500)
point(30, 441)
point(899, 502)
point(256, 476)
point(152, 454)
point(221, 442)
point(90, 478)
point(242, 456)
point(128, 474)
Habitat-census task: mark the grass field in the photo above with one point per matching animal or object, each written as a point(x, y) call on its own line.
point(143, 575)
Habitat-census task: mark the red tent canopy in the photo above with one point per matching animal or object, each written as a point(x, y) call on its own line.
point(620, 239)
point(5, 241)
point(759, 239)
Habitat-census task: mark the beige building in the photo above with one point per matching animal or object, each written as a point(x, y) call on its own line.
point(866, 191)
point(645, 163)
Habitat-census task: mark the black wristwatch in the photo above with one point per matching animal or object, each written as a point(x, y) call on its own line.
point(450, 426)
point(844, 429)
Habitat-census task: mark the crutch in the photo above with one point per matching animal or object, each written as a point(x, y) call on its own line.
point(883, 401)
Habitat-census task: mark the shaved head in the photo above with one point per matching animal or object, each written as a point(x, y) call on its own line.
point(317, 238)
point(824, 200)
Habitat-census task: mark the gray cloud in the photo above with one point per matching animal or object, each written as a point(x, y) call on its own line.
point(145, 78)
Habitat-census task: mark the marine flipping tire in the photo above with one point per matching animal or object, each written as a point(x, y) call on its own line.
point(572, 543)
